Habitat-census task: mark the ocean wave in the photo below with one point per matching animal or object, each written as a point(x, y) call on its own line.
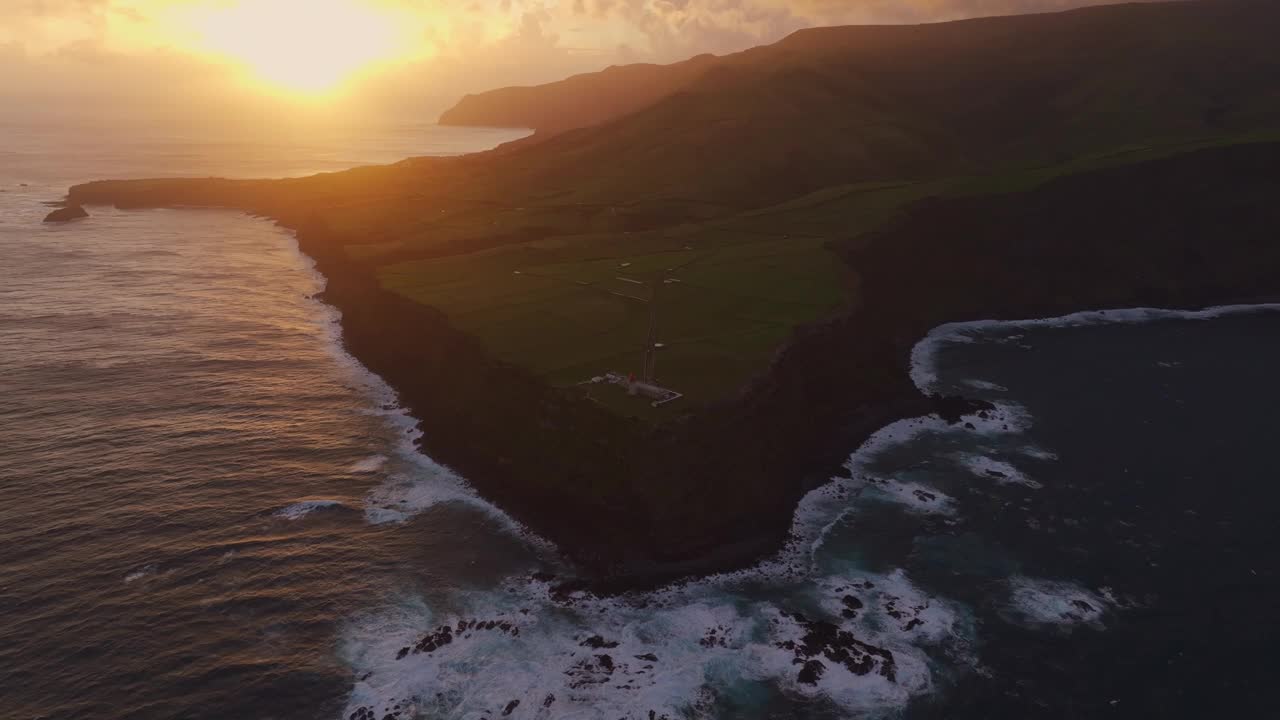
point(860, 641)
point(923, 355)
point(370, 464)
point(299, 510)
point(139, 574)
point(423, 483)
point(1004, 473)
point(985, 385)
point(1036, 602)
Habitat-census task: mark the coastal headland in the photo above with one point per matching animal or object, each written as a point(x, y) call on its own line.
point(775, 230)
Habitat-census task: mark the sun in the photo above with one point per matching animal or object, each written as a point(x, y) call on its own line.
point(305, 46)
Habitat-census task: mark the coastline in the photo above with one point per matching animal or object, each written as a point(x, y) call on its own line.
point(635, 507)
point(750, 556)
point(370, 315)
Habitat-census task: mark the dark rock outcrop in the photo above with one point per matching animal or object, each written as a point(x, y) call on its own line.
point(954, 408)
point(66, 214)
point(595, 642)
point(828, 641)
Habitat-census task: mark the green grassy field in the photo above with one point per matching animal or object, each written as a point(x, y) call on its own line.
point(575, 305)
point(725, 302)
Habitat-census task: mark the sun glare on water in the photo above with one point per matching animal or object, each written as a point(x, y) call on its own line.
point(304, 46)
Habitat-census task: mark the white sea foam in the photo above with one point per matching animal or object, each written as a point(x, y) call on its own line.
point(1002, 472)
point(1036, 452)
point(299, 510)
point(916, 497)
point(709, 636)
point(139, 574)
point(670, 652)
point(423, 483)
point(871, 693)
point(370, 464)
point(712, 637)
point(483, 670)
point(899, 610)
point(1035, 601)
point(923, 355)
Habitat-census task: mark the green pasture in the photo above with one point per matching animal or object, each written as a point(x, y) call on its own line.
point(574, 303)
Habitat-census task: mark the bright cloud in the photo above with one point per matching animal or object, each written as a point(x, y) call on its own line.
point(429, 50)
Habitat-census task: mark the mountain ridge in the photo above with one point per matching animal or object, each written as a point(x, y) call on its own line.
point(577, 101)
point(848, 104)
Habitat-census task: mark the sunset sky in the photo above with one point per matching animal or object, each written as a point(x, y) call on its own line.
point(414, 55)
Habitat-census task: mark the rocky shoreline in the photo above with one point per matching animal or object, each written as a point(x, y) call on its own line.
point(636, 506)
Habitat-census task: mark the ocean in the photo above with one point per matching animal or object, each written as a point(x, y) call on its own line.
point(209, 510)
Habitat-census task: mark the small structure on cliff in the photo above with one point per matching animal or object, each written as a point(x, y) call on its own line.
point(657, 395)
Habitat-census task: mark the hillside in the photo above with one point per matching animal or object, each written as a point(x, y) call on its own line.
point(579, 101)
point(853, 103)
point(844, 105)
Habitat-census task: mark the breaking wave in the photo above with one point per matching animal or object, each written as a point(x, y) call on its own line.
point(415, 482)
point(304, 508)
point(924, 368)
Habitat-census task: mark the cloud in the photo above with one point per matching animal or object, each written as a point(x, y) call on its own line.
point(468, 45)
point(678, 28)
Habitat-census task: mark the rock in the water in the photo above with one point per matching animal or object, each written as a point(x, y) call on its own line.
point(851, 606)
point(73, 212)
point(954, 408)
point(827, 641)
point(811, 672)
point(596, 642)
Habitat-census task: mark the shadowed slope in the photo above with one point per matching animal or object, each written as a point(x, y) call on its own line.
point(842, 105)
